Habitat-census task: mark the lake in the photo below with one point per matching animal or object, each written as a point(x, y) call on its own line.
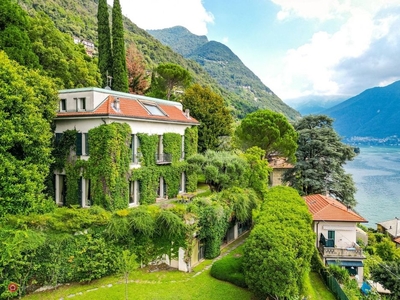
point(376, 173)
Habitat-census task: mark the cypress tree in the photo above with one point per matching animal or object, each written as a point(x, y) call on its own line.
point(120, 74)
point(103, 32)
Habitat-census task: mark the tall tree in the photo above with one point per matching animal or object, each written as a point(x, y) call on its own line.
point(135, 64)
point(104, 37)
point(210, 110)
point(320, 158)
point(270, 131)
point(119, 73)
point(27, 108)
point(169, 77)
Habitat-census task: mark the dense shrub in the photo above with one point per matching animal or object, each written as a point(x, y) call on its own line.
point(229, 269)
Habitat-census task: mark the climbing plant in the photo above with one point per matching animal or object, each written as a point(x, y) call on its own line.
point(108, 165)
point(172, 143)
point(148, 148)
point(149, 181)
point(191, 141)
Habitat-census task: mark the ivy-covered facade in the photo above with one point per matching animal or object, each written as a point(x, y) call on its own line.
point(116, 150)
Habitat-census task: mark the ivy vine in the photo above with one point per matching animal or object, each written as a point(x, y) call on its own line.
point(108, 165)
point(148, 148)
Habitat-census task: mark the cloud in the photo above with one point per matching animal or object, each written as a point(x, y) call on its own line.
point(363, 53)
point(160, 14)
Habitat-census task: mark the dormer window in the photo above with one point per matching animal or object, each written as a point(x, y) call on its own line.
point(63, 105)
point(153, 109)
point(80, 104)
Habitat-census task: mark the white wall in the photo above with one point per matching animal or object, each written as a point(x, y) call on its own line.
point(345, 232)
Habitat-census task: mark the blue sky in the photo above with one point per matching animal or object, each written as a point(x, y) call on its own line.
point(298, 48)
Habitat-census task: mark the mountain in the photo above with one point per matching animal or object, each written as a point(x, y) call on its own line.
point(78, 18)
point(226, 68)
point(373, 113)
point(307, 105)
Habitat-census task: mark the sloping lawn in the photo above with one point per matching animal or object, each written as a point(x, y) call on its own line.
point(157, 285)
point(164, 285)
point(317, 290)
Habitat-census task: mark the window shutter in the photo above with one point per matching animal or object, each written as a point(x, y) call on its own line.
point(78, 144)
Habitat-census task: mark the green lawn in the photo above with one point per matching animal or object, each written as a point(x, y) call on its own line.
point(164, 285)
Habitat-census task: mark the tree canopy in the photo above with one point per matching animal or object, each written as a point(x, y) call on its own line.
point(210, 110)
point(136, 67)
point(27, 109)
point(320, 158)
point(271, 131)
point(221, 169)
point(167, 78)
point(388, 274)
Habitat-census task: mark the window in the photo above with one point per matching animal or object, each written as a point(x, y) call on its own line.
point(80, 104)
point(85, 147)
point(153, 109)
point(330, 242)
point(63, 105)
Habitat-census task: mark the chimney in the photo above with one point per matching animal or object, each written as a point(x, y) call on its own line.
point(187, 113)
point(116, 104)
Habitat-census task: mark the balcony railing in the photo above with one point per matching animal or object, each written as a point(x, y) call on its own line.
point(340, 252)
point(163, 158)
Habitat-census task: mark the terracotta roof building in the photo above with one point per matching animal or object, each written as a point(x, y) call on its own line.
point(335, 226)
point(83, 109)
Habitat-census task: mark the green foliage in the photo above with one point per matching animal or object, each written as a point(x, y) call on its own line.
point(148, 148)
point(14, 39)
point(388, 274)
point(258, 171)
point(240, 202)
point(213, 224)
point(172, 144)
point(109, 144)
point(229, 269)
point(341, 274)
point(269, 131)
point(61, 59)
point(210, 110)
point(221, 169)
point(126, 263)
point(119, 72)
point(104, 41)
point(320, 159)
point(169, 78)
point(278, 251)
point(386, 249)
point(191, 141)
point(27, 109)
point(149, 180)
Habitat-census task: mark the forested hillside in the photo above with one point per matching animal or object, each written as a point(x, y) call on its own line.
point(373, 113)
point(78, 18)
point(225, 67)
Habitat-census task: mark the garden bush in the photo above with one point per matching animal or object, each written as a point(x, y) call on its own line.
point(229, 269)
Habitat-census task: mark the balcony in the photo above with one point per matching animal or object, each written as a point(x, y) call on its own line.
point(331, 252)
point(163, 158)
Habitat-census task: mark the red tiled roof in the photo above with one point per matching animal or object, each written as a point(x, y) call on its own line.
point(132, 108)
point(325, 208)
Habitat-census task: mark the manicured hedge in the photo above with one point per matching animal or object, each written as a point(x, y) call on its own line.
point(229, 269)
